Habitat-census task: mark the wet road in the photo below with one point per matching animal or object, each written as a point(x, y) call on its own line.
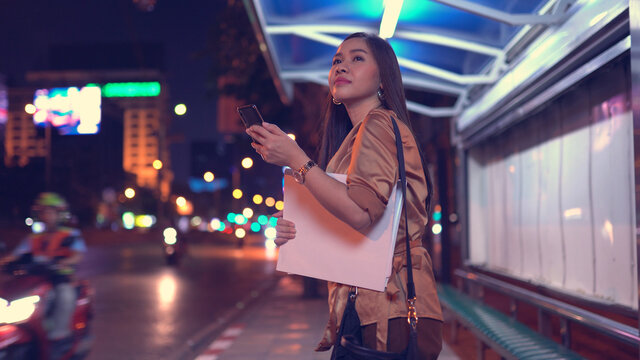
point(147, 310)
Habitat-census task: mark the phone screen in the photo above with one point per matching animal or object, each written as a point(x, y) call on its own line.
point(250, 115)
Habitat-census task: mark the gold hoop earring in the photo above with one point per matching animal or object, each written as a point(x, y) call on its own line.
point(335, 101)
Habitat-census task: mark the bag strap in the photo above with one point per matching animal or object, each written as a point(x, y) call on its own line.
point(412, 316)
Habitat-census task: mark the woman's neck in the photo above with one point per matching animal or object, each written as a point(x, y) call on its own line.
point(358, 111)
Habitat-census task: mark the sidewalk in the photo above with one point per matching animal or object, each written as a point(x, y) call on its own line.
point(283, 326)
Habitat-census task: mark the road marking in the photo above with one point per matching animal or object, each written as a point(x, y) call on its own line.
point(222, 343)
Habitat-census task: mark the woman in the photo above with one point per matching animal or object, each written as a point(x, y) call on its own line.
point(365, 92)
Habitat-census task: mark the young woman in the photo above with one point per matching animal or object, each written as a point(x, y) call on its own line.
point(365, 93)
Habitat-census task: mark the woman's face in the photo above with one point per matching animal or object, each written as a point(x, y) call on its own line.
point(354, 75)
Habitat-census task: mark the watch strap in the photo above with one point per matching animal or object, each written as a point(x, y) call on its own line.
point(306, 167)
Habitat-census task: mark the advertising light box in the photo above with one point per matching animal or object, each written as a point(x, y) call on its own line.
point(4, 104)
point(71, 110)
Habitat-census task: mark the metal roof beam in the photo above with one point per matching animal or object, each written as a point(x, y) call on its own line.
point(411, 105)
point(448, 41)
point(425, 84)
point(549, 49)
point(422, 84)
point(431, 37)
point(431, 111)
point(555, 17)
point(448, 75)
point(317, 28)
point(312, 33)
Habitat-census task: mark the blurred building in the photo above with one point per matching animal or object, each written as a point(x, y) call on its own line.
point(228, 120)
point(128, 149)
point(141, 146)
point(22, 141)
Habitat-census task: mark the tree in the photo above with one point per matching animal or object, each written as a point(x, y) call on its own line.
point(236, 55)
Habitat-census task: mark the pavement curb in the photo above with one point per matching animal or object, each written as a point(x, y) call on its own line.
point(199, 342)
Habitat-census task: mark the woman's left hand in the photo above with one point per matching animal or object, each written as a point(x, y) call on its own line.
point(275, 146)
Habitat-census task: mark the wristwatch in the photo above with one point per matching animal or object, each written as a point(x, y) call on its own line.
point(299, 174)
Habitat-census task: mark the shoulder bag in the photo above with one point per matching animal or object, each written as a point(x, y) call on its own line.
point(349, 343)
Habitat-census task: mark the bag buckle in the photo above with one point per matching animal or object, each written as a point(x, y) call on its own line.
point(353, 293)
point(412, 316)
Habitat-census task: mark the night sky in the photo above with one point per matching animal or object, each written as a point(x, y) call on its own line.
point(30, 28)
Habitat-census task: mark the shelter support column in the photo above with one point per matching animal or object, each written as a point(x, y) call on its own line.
point(634, 23)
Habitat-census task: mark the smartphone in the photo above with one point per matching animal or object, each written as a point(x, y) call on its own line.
point(250, 115)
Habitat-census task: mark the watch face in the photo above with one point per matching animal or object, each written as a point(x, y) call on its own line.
point(297, 177)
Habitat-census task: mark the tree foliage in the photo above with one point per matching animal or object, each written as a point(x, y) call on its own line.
point(238, 61)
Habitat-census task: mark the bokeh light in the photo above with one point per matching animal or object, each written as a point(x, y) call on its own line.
point(279, 205)
point(37, 227)
point(263, 219)
point(291, 136)
point(170, 236)
point(436, 229)
point(247, 162)
point(270, 244)
point(255, 227)
point(129, 193)
point(240, 233)
point(237, 194)
point(240, 219)
point(170, 232)
point(270, 233)
point(269, 201)
point(28, 221)
point(157, 164)
point(181, 201)
point(208, 176)
point(180, 109)
point(247, 212)
point(215, 223)
point(257, 199)
point(30, 109)
point(128, 220)
point(231, 217)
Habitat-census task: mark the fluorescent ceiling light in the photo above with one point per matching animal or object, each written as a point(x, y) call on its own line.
point(390, 18)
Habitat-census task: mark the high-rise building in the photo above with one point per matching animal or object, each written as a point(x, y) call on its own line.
point(141, 145)
point(22, 141)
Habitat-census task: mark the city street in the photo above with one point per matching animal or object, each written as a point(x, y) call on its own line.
point(145, 309)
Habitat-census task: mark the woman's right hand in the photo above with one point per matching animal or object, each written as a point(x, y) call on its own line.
point(285, 230)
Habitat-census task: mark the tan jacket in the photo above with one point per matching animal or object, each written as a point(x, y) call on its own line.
point(368, 157)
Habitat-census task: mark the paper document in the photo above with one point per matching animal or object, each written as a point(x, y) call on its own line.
point(327, 248)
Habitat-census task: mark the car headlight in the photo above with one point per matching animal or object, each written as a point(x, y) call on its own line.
point(18, 310)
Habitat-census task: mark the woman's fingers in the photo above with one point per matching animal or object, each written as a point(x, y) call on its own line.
point(272, 128)
point(285, 229)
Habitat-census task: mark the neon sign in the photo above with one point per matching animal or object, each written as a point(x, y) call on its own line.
point(71, 110)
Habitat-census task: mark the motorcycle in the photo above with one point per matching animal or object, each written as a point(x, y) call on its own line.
point(26, 299)
point(172, 248)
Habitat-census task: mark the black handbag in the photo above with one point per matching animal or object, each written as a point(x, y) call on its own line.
point(349, 344)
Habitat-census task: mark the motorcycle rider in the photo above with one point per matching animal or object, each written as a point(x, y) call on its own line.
point(63, 247)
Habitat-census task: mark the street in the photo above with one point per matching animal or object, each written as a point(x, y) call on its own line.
point(145, 309)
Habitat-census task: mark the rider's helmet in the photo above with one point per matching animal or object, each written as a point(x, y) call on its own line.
point(51, 200)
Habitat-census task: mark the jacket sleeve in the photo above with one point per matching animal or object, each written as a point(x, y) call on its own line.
point(372, 172)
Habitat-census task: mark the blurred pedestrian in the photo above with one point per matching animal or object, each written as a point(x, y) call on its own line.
point(365, 93)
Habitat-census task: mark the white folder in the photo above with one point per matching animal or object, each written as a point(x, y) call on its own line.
point(327, 248)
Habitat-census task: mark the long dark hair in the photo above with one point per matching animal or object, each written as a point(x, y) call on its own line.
point(337, 123)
